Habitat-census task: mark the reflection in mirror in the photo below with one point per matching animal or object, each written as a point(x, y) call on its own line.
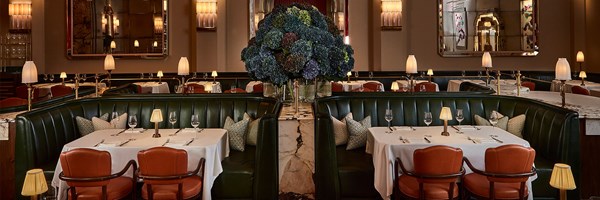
point(121, 27)
point(502, 27)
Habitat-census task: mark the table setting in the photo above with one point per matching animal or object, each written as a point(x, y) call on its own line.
point(154, 87)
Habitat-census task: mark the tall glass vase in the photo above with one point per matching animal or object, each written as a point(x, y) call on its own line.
point(323, 88)
point(306, 89)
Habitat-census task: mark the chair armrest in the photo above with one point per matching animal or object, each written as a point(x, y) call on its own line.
point(499, 175)
point(131, 163)
point(177, 176)
point(441, 176)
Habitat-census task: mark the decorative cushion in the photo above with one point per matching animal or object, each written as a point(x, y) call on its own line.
point(237, 133)
point(252, 134)
point(502, 122)
point(513, 125)
point(100, 124)
point(85, 126)
point(357, 132)
point(340, 130)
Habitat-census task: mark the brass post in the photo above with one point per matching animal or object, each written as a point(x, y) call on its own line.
point(562, 91)
point(518, 82)
point(28, 96)
point(498, 83)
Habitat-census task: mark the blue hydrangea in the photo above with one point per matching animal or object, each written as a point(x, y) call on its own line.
point(273, 39)
point(311, 70)
point(302, 47)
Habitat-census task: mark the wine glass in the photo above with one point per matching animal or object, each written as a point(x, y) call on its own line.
point(132, 122)
point(141, 75)
point(423, 89)
point(388, 118)
point(459, 116)
point(356, 75)
point(195, 122)
point(114, 119)
point(205, 76)
point(45, 77)
point(428, 118)
point(370, 75)
point(151, 75)
point(494, 118)
point(464, 73)
point(51, 77)
point(172, 118)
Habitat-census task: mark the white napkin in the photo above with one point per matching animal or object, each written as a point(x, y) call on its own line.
point(111, 144)
point(416, 140)
point(465, 128)
point(483, 140)
point(524, 90)
point(189, 130)
point(402, 128)
point(135, 130)
point(176, 143)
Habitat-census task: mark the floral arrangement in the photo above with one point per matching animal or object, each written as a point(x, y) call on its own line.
point(297, 41)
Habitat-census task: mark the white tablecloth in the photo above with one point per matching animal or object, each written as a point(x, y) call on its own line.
point(210, 144)
point(215, 87)
point(250, 86)
point(569, 84)
point(154, 87)
point(386, 147)
point(406, 84)
point(44, 88)
point(349, 86)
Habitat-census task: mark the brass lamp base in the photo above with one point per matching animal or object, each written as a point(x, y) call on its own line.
point(156, 134)
point(582, 82)
point(445, 132)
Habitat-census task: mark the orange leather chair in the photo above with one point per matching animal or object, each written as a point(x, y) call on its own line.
point(87, 173)
point(197, 88)
point(165, 174)
point(12, 101)
point(373, 86)
point(258, 88)
point(60, 90)
point(237, 90)
point(507, 168)
point(336, 87)
point(429, 87)
point(21, 92)
point(579, 90)
point(436, 172)
point(529, 84)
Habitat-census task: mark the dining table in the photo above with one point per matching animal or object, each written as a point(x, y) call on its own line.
point(406, 84)
point(250, 86)
point(593, 87)
point(401, 141)
point(348, 86)
point(124, 145)
point(215, 87)
point(45, 90)
point(454, 85)
point(154, 87)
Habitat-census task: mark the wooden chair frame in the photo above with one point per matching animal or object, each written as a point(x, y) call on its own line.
point(175, 177)
point(423, 176)
point(522, 194)
point(73, 191)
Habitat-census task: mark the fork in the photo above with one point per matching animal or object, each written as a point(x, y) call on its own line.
point(98, 144)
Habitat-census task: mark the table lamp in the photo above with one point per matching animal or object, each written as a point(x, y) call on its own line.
point(156, 117)
point(109, 65)
point(580, 59)
point(582, 75)
point(63, 75)
point(214, 74)
point(446, 115)
point(563, 74)
point(136, 44)
point(486, 62)
point(395, 86)
point(430, 73)
point(183, 68)
point(562, 179)
point(159, 75)
point(35, 183)
point(411, 68)
point(349, 74)
point(113, 46)
point(29, 75)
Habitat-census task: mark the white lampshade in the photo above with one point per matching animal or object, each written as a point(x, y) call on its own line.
point(113, 45)
point(580, 56)
point(562, 177)
point(563, 70)
point(582, 74)
point(446, 114)
point(347, 40)
point(214, 74)
point(486, 60)
point(35, 183)
point(159, 74)
point(183, 68)
point(29, 73)
point(430, 72)
point(411, 64)
point(395, 86)
point(136, 43)
point(109, 62)
point(63, 75)
point(155, 44)
point(349, 73)
point(156, 116)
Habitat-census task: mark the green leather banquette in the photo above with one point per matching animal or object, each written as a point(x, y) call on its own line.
point(251, 174)
point(340, 174)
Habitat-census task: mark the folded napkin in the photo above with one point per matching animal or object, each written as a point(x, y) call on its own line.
point(523, 90)
point(416, 140)
point(402, 128)
point(189, 130)
point(177, 143)
point(112, 143)
point(483, 140)
point(135, 130)
point(465, 128)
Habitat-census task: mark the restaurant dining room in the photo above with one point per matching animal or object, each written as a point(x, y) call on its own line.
point(299, 99)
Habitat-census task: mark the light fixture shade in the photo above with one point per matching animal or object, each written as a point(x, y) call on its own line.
point(159, 74)
point(109, 62)
point(349, 73)
point(183, 68)
point(486, 60)
point(446, 114)
point(155, 44)
point(136, 43)
point(29, 73)
point(430, 72)
point(156, 116)
point(63, 75)
point(580, 57)
point(35, 183)
point(411, 64)
point(562, 177)
point(582, 74)
point(347, 40)
point(395, 86)
point(563, 70)
point(214, 73)
point(113, 45)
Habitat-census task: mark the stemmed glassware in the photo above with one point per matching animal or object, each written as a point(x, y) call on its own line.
point(51, 77)
point(172, 118)
point(428, 118)
point(370, 75)
point(388, 118)
point(494, 118)
point(356, 75)
point(195, 122)
point(423, 88)
point(459, 116)
point(132, 122)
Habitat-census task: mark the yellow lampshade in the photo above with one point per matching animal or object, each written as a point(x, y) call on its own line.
point(136, 43)
point(155, 44)
point(562, 177)
point(446, 114)
point(214, 74)
point(63, 75)
point(349, 73)
point(347, 40)
point(183, 68)
point(109, 62)
point(580, 56)
point(159, 74)
point(430, 72)
point(395, 86)
point(156, 116)
point(563, 70)
point(411, 64)
point(113, 45)
point(486, 60)
point(582, 74)
point(35, 183)
point(29, 73)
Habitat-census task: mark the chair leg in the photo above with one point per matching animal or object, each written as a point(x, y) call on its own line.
point(150, 193)
point(492, 194)
point(104, 193)
point(73, 193)
point(180, 191)
point(451, 192)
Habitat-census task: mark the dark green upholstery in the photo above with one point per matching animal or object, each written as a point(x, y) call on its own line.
point(552, 131)
point(252, 174)
point(474, 87)
point(129, 88)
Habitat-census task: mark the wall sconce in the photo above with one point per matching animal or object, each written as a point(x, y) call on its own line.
point(391, 14)
point(206, 14)
point(158, 25)
point(20, 15)
point(136, 43)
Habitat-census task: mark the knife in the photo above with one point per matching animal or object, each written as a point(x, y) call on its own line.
point(454, 127)
point(98, 144)
point(125, 142)
point(178, 130)
point(189, 142)
point(497, 140)
point(427, 140)
point(165, 142)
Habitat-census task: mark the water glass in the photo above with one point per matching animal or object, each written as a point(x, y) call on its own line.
point(388, 118)
point(459, 116)
point(423, 88)
point(233, 89)
point(172, 118)
point(195, 121)
point(132, 122)
point(428, 118)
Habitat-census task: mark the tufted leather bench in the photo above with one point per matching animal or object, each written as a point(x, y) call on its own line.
point(341, 174)
point(251, 174)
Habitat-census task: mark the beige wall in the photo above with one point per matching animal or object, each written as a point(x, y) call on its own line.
point(592, 30)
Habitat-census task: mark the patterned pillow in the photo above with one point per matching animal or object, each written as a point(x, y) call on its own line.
point(252, 135)
point(85, 126)
point(513, 125)
point(340, 131)
point(100, 124)
point(357, 132)
point(237, 133)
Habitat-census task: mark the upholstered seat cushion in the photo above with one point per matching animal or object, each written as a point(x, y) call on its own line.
point(410, 186)
point(117, 188)
point(238, 173)
point(540, 185)
point(356, 173)
point(191, 187)
point(480, 186)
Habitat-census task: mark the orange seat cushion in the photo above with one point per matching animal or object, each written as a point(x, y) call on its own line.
point(191, 187)
point(117, 188)
point(409, 186)
point(479, 185)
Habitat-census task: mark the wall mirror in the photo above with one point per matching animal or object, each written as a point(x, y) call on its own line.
point(502, 27)
point(125, 28)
